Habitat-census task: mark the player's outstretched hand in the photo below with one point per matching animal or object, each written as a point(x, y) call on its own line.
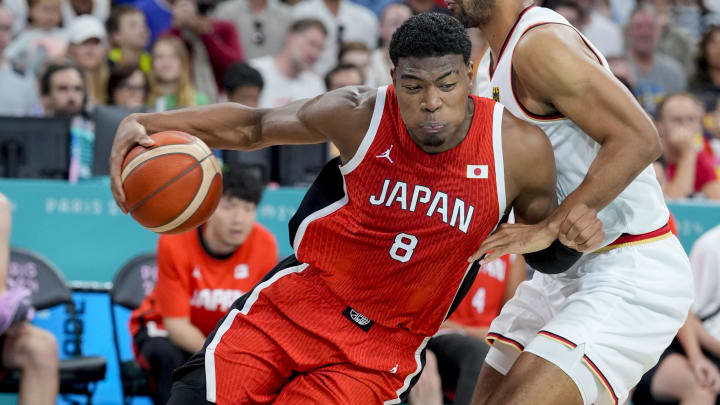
point(517, 239)
point(129, 134)
point(581, 229)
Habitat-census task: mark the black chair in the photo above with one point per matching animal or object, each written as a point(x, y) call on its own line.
point(131, 284)
point(78, 374)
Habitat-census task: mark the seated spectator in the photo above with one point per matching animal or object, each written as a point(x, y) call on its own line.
point(705, 261)
point(24, 346)
point(689, 167)
point(674, 39)
point(63, 91)
point(41, 40)
point(604, 33)
point(158, 15)
point(262, 24)
point(243, 84)
point(705, 83)
point(19, 91)
point(343, 75)
point(356, 54)
point(288, 75)
point(213, 44)
point(129, 37)
point(344, 21)
point(391, 18)
point(89, 50)
point(170, 85)
point(657, 75)
point(200, 273)
point(620, 67)
point(99, 9)
point(459, 347)
point(128, 88)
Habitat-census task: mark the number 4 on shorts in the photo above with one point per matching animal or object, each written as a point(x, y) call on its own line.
point(405, 243)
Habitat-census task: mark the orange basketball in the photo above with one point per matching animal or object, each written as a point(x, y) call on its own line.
point(173, 186)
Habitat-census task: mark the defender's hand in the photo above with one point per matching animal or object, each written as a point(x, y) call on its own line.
point(581, 229)
point(129, 134)
point(516, 238)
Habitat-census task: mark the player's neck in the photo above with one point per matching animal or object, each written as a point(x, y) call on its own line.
point(498, 28)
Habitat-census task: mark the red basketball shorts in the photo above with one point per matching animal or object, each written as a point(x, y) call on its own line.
point(292, 341)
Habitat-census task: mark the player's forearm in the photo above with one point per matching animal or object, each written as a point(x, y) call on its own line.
point(618, 162)
point(223, 126)
point(683, 182)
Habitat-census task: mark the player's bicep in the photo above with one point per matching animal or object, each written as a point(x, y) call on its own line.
point(570, 77)
point(530, 170)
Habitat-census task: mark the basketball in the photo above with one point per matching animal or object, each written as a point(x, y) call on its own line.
point(173, 186)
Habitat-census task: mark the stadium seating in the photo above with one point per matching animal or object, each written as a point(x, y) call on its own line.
point(131, 284)
point(78, 374)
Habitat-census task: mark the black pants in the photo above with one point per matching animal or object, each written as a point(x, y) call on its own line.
point(163, 357)
point(459, 358)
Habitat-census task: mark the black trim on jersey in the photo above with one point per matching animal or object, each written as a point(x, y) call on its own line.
point(209, 252)
point(325, 190)
point(198, 359)
point(404, 395)
point(469, 279)
point(507, 39)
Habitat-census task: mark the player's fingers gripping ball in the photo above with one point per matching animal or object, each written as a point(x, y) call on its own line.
point(173, 186)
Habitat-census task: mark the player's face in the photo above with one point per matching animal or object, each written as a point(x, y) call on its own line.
point(472, 13)
point(232, 221)
point(433, 99)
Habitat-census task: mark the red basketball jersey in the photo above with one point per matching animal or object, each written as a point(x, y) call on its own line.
point(394, 245)
point(484, 299)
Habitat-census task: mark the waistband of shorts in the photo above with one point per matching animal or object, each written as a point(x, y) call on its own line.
point(627, 239)
point(394, 334)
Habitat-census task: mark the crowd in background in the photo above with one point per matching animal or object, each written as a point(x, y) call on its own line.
point(66, 57)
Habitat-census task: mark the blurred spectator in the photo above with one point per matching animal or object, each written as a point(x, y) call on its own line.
point(604, 33)
point(705, 83)
point(262, 24)
point(200, 274)
point(358, 55)
point(380, 64)
point(127, 87)
point(170, 85)
point(343, 75)
point(89, 50)
point(41, 40)
point(621, 10)
point(344, 21)
point(158, 15)
point(19, 12)
point(213, 44)
point(685, 372)
point(100, 9)
point(288, 75)
point(674, 41)
point(20, 94)
point(129, 36)
point(63, 90)
point(24, 346)
point(689, 167)
point(459, 346)
point(656, 74)
point(705, 261)
point(621, 68)
point(243, 84)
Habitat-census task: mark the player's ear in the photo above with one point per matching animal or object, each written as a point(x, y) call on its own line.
point(470, 70)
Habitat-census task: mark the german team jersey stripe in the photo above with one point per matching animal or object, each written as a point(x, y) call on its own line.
point(629, 240)
point(591, 365)
point(492, 337)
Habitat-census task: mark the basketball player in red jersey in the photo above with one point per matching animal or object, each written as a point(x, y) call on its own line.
point(383, 237)
point(569, 338)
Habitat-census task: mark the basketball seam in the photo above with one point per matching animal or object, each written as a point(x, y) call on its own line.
point(137, 161)
point(167, 184)
point(160, 228)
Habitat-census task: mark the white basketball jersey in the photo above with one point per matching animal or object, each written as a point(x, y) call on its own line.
point(640, 208)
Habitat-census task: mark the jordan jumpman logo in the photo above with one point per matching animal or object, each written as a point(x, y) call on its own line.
point(386, 154)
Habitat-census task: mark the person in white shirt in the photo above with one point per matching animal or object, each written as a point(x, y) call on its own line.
point(288, 75)
point(20, 92)
point(392, 17)
point(344, 21)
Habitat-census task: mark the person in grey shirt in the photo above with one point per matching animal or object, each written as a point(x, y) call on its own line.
point(262, 24)
point(19, 92)
point(656, 74)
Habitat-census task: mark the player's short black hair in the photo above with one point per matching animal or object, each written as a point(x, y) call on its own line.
point(243, 182)
point(430, 34)
point(241, 74)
